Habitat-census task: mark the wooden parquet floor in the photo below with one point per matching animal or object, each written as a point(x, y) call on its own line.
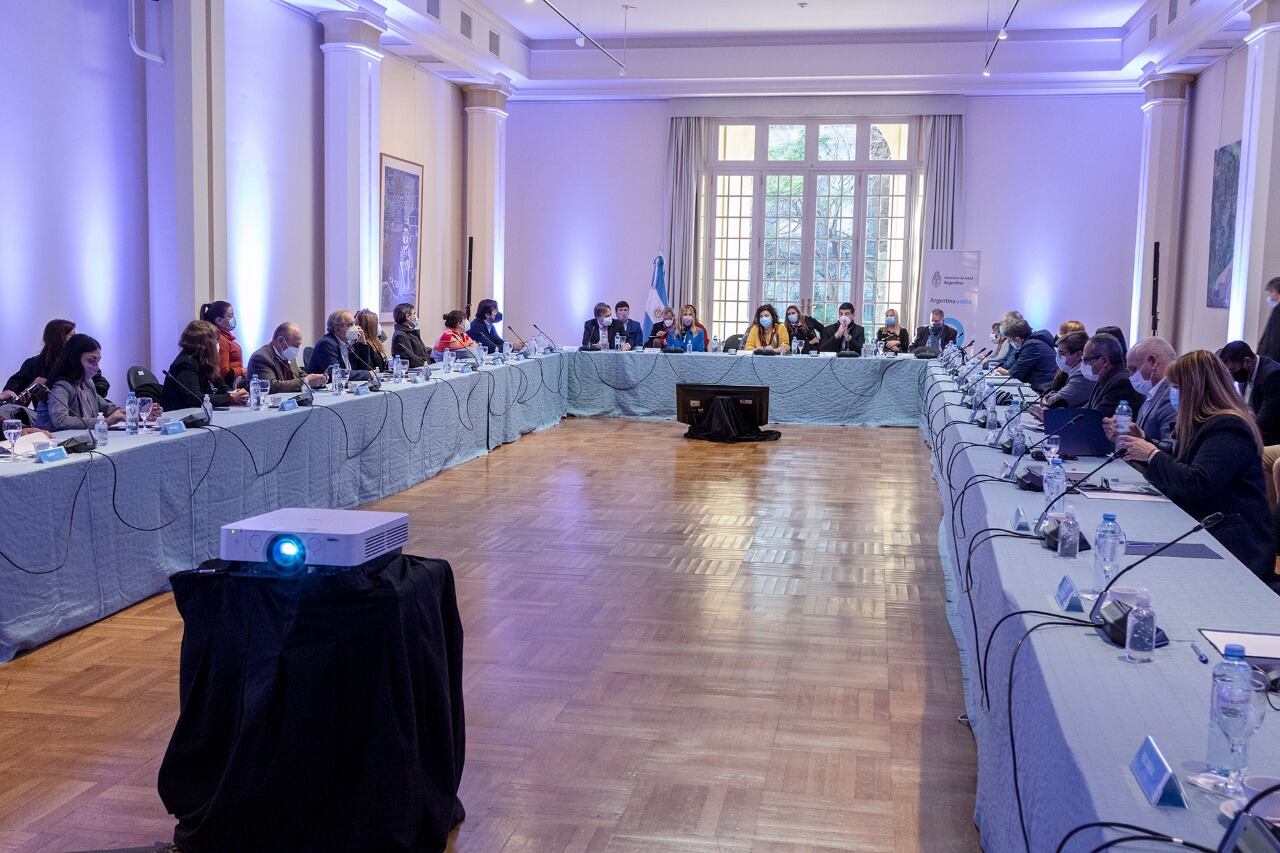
point(670, 645)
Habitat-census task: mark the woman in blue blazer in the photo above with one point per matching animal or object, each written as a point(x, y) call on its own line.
point(687, 334)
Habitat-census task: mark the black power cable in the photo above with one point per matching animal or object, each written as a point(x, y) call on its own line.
point(71, 519)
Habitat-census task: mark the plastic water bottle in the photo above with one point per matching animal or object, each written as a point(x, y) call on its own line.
point(1124, 418)
point(100, 434)
point(1019, 439)
point(688, 344)
point(206, 405)
point(715, 343)
point(1232, 670)
point(1069, 535)
point(1140, 634)
point(1108, 546)
point(796, 346)
point(255, 394)
point(1055, 484)
point(131, 414)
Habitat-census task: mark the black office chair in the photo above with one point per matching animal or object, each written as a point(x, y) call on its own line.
point(144, 383)
point(733, 342)
point(306, 357)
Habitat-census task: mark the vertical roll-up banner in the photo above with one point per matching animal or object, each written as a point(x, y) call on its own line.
point(950, 282)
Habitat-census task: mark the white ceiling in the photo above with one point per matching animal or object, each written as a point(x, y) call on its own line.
point(603, 18)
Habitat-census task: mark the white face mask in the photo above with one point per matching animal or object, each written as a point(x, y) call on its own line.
point(1140, 383)
point(688, 320)
point(793, 318)
point(1062, 363)
point(1086, 370)
point(353, 334)
point(1272, 301)
point(845, 319)
point(289, 353)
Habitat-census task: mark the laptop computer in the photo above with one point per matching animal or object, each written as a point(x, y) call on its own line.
point(1084, 437)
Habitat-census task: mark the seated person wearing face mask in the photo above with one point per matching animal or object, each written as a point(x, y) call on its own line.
point(766, 333)
point(72, 401)
point(631, 331)
point(1076, 390)
point(368, 352)
point(1257, 378)
point(661, 329)
point(688, 335)
point(891, 334)
point(804, 329)
point(454, 337)
point(936, 335)
point(482, 329)
point(1034, 359)
point(1103, 362)
point(335, 346)
point(196, 372)
point(1148, 362)
point(598, 332)
point(844, 335)
point(406, 338)
point(277, 362)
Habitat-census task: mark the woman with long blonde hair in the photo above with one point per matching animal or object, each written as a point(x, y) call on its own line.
point(1214, 463)
point(688, 334)
point(369, 351)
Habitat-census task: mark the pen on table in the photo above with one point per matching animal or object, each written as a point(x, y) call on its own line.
point(1199, 653)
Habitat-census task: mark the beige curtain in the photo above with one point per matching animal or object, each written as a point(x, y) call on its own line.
point(689, 146)
point(943, 137)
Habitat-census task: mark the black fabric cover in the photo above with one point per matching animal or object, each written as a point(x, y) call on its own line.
point(318, 713)
point(724, 422)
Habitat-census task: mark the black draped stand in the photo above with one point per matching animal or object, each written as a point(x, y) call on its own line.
point(318, 713)
point(725, 422)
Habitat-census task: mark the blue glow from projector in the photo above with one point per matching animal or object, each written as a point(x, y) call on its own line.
point(286, 554)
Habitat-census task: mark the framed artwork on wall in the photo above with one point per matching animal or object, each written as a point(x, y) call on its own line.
point(1222, 224)
point(401, 234)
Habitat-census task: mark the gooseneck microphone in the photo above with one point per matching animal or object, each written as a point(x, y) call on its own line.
point(512, 330)
point(1074, 488)
point(1206, 523)
point(554, 345)
point(191, 420)
point(1013, 469)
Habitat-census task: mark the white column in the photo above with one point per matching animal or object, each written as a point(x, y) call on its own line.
point(1257, 259)
point(486, 176)
point(1160, 190)
point(352, 122)
point(186, 167)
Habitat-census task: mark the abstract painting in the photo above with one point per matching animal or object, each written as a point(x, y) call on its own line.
point(401, 239)
point(1222, 224)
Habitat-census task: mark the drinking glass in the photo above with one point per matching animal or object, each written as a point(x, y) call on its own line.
point(1239, 714)
point(145, 405)
point(12, 432)
point(1050, 447)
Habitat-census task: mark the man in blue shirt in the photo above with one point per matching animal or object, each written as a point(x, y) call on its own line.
point(633, 331)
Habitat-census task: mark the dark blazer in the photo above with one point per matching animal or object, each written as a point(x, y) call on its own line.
point(365, 356)
point(1264, 398)
point(31, 368)
point(1108, 393)
point(1221, 471)
point(184, 382)
point(266, 363)
point(831, 342)
point(328, 352)
point(634, 332)
point(885, 334)
point(815, 328)
point(1269, 343)
point(407, 343)
point(591, 332)
point(658, 334)
point(1035, 363)
point(949, 336)
point(479, 332)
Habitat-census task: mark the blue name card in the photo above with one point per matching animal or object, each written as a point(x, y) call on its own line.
point(1156, 778)
point(173, 428)
point(1068, 597)
point(288, 404)
point(51, 454)
point(1020, 523)
point(361, 390)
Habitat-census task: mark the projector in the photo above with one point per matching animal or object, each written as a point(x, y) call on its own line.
point(290, 540)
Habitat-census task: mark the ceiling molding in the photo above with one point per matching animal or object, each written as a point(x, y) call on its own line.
point(840, 37)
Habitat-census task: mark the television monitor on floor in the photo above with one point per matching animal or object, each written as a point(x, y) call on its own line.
point(753, 400)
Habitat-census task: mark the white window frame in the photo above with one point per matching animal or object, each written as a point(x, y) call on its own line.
point(861, 166)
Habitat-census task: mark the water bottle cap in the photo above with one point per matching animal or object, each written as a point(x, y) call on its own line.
point(1057, 463)
point(1144, 598)
point(1233, 651)
point(1071, 510)
point(1108, 516)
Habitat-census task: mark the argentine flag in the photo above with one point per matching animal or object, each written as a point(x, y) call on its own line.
point(657, 298)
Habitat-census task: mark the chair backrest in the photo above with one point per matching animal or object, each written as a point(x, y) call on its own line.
point(306, 357)
point(144, 383)
point(733, 342)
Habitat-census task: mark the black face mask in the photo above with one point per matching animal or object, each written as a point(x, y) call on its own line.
point(1241, 375)
point(936, 328)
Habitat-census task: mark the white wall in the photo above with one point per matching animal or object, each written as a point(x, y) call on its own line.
point(423, 122)
point(73, 226)
point(1216, 119)
point(275, 170)
point(1051, 200)
point(584, 209)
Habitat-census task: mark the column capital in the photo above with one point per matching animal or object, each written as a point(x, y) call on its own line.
point(1261, 14)
point(1165, 87)
point(355, 29)
point(486, 98)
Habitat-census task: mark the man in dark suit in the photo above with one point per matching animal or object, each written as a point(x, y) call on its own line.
point(844, 335)
point(277, 362)
point(406, 337)
point(1258, 379)
point(341, 332)
point(483, 331)
point(630, 329)
point(1269, 344)
point(1035, 359)
point(598, 332)
point(1103, 361)
point(936, 335)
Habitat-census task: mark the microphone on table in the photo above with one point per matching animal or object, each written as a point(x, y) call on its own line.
point(1013, 469)
point(1112, 615)
point(512, 330)
point(375, 381)
point(554, 346)
point(202, 419)
point(1074, 488)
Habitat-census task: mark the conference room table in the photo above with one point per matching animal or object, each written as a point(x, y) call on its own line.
point(1080, 711)
point(818, 389)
